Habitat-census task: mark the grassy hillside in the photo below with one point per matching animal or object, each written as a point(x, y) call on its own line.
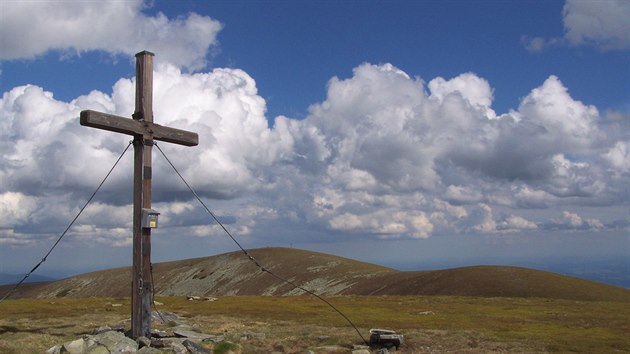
point(234, 274)
point(498, 281)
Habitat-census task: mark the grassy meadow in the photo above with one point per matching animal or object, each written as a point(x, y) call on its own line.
point(256, 324)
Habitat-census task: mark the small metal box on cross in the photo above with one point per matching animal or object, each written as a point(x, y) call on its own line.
point(144, 131)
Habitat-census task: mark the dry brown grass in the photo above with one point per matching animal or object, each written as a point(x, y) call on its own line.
point(431, 324)
point(32, 326)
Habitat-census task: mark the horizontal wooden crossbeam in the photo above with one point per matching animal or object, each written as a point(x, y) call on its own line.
point(130, 126)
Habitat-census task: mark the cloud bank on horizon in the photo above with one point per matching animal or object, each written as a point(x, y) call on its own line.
point(386, 154)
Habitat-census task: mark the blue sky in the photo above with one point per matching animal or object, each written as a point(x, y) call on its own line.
point(292, 49)
point(398, 132)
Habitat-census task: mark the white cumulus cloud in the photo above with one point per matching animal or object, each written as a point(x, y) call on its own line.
point(32, 28)
point(380, 147)
point(573, 221)
point(618, 157)
point(475, 90)
point(380, 156)
point(605, 24)
point(516, 223)
point(15, 209)
point(485, 217)
point(49, 163)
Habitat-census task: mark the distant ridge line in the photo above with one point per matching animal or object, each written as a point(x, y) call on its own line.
point(232, 274)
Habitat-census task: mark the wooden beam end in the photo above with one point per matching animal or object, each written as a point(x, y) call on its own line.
point(84, 117)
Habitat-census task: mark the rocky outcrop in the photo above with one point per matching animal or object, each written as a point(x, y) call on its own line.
point(106, 342)
point(116, 342)
point(182, 339)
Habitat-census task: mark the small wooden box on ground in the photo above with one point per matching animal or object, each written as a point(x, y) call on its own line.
point(385, 338)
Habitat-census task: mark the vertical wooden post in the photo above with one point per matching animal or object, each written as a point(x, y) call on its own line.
point(144, 131)
point(142, 290)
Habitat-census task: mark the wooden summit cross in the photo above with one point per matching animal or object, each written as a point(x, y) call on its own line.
point(144, 131)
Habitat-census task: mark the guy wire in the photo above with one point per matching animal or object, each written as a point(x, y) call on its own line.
point(67, 228)
point(251, 258)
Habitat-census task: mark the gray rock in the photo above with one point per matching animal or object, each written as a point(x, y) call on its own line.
point(183, 339)
point(161, 334)
point(361, 351)
point(182, 327)
point(178, 348)
point(149, 350)
point(115, 342)
point(166, 342)
point(101, 329)
point(164, 317)
point(195, 348)
point(54, 350)
point(158, 343)
point(143, 342)
point(78, 346)
point(99, 350)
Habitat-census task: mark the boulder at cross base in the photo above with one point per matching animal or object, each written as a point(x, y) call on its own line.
point(106, 342)
point(78, 346)
point(115, 342)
